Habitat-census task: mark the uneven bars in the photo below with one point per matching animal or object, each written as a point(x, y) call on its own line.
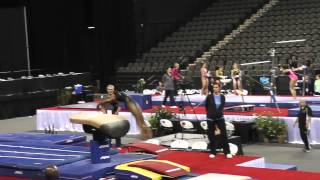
point(260, 62)
point(290, 41)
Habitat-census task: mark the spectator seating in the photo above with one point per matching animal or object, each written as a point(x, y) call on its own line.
point(190, 41)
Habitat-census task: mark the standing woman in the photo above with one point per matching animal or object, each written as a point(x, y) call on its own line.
point(236, 77)
point(292, 75)
point(309, 77)
point(304, 122)
point(204, 79)
point(219, 71)
point(214, 105)
point(176, 74)
point(216, 78)
point(168, 83)
point(218, 74)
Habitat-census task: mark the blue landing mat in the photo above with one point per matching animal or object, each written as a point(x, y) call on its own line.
point(29, 159)
point(185, 177)
point(64, 139)
point(315, 111)
point(84, 169)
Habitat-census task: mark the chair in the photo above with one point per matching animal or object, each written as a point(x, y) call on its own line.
point(230, 129)
point(187, 126)
point(204, 126)
point(199, 145)
point(166, 123)
point(179, 144)
point(233, 149)
point(167, 126)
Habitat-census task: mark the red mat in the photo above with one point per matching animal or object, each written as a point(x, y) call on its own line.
point(199, 160)
point(161, 168)
point(200, 163)
point(145, 147)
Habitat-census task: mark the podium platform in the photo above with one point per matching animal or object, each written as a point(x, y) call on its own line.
point(240, 108)
point(144, 101)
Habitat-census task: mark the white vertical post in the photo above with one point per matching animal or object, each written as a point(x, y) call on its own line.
point(27, 40)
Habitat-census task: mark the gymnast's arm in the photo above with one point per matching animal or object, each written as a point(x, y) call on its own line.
point(284, 70)
point(232, 74)
point(105, 101)
point(109, 100)
point(299, 68)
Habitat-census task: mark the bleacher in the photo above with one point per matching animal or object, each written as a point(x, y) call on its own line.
point(286, 21)
point(189, 42)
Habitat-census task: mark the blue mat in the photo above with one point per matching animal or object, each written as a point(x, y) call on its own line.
point(29, 159)
point(185, 177)
point(84, 169)
point(63, 139)
point(315, 111)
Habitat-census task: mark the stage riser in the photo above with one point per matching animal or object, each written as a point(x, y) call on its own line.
point(315, 111)
point(233, 100)
point(198, 100)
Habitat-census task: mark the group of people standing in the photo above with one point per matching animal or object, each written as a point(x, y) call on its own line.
point(214, 105)
point(173, 76)
point(169, 82)
point(311, 81)
point(207, 79)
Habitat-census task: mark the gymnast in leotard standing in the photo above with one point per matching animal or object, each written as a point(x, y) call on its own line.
point(291, 71)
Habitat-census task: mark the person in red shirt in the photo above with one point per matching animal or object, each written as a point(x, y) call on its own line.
point(176, 74)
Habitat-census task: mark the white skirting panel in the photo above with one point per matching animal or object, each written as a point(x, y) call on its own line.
point(59, 119)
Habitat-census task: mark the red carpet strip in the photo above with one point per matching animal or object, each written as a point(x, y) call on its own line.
point(200, 163)
point(201, 110)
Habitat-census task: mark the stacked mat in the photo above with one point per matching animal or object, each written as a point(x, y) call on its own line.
point(27, 155)
point(61, 139)
point(30, 159)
